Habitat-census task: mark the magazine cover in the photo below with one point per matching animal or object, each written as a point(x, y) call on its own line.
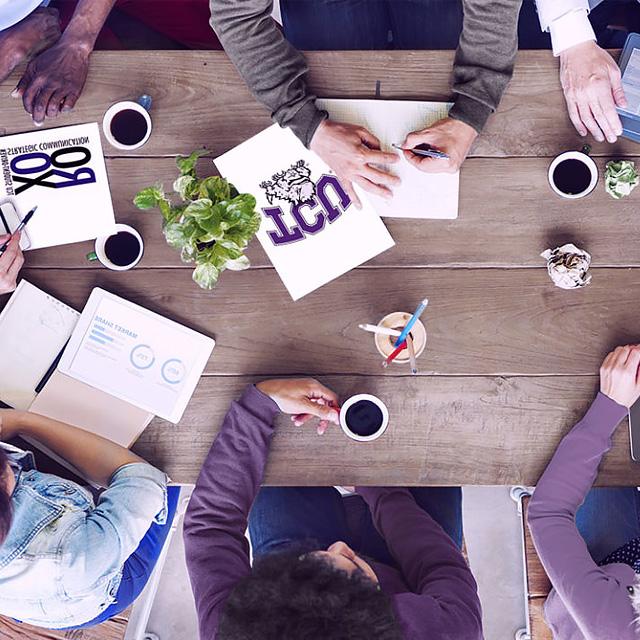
point(62, 171)
point(310, 229)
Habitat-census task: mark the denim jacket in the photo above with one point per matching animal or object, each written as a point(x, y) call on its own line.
point(61, 563)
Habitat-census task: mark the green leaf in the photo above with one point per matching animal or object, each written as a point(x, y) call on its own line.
point(186, 187)
point(187, 164)
point(240, 264)
point(199, 209)
point(215, 188)
point(206, 275)
point(149, 197)
point(174, 233)
point(188, 253)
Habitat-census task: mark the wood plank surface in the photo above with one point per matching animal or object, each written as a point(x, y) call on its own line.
point(539, 628)
point(479, 321)
point(538, 583)
point(508, 216)
point(200, 100)
point(113, 629)
point(442, 431)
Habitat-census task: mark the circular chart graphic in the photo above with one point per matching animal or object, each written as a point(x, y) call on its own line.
point(142, 357)
point(173, 371)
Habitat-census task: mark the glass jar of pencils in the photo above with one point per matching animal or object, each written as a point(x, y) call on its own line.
point(396, 322)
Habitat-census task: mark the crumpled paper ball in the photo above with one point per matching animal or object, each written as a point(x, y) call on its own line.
point(567, 266)
point(620, 178)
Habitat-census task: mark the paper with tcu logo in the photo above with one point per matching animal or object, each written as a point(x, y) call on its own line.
point(62, 171)
point(310, 229)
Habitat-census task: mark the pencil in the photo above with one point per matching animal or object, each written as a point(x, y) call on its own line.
point(394, 354)
point(385, 331)
point(414, 318)
point(412, 355)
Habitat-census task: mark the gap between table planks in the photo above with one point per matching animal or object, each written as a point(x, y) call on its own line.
point(200, 100)
point(479, 321)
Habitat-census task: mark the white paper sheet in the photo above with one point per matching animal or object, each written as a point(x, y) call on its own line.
point(136, 355)
point(62, 171)
point(34, 327)
point(421, 195)
point(310, 230)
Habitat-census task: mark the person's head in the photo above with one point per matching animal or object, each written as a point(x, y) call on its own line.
point(6, 489)
point(318, 595)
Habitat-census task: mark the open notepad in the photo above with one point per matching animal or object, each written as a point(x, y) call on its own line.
point(421, 195)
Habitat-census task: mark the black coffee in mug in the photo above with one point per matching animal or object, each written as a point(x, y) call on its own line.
point(572, 176)
point(364, 418)
point(122, 249)
point(129, 127)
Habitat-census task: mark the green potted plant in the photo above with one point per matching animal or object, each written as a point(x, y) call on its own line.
point(211, 226)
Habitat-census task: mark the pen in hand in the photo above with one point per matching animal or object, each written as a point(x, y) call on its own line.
point(425, 150)
point(20, 227)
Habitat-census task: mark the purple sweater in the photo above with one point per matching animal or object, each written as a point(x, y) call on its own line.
point(587, 602)
point(434, 594)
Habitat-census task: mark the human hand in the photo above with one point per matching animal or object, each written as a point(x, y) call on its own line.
point(53, 81)
point(11, 422)
point(619, 378)
point(352, 151)
point(451, 136)
point(11, 262)
point(592, 87)
point(38, 31)
point(304, 399)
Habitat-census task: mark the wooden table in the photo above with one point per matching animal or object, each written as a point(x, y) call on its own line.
point(512, 361)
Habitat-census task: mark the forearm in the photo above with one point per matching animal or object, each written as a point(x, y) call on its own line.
point(273, 70)
point(484, 59)
point(574, 466)
point(95, 457)
point(87, 22)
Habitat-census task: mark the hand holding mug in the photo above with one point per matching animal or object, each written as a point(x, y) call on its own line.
point(619, 376)
point(303, 399)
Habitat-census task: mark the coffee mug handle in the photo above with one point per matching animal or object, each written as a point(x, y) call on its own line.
point(92, 257)
point(586, 149)
point(145, 102)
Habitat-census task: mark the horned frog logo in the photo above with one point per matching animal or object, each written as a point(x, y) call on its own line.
point(293, 184)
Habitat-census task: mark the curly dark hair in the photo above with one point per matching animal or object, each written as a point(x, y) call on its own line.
point(290, 596)
point(6, 510)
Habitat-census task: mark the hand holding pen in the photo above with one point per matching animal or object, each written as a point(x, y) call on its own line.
point(11, 261)
point(447, 142)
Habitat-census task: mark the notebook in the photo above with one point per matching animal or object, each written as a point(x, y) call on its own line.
point(34, 327)
point(421, 195)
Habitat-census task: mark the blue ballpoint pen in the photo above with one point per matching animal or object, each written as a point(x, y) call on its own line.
point(20, 227)
point(425, 150)
point(417, 313)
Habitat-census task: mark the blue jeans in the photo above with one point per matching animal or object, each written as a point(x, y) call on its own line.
point(608, 519)
point(140, 564)
point(389, 24)
point(283, 517)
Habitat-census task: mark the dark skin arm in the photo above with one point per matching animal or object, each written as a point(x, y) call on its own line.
point(53, 81)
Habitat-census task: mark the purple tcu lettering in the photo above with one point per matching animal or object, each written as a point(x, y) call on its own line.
point(329, 211)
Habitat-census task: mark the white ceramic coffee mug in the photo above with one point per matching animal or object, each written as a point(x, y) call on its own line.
point(100, 254)
point(349, 403)
point(581, 156)
point(142, 106)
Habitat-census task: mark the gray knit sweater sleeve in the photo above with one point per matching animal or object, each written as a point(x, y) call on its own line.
point(274, 71)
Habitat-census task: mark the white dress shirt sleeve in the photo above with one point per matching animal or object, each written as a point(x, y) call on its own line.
point(567, 21)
